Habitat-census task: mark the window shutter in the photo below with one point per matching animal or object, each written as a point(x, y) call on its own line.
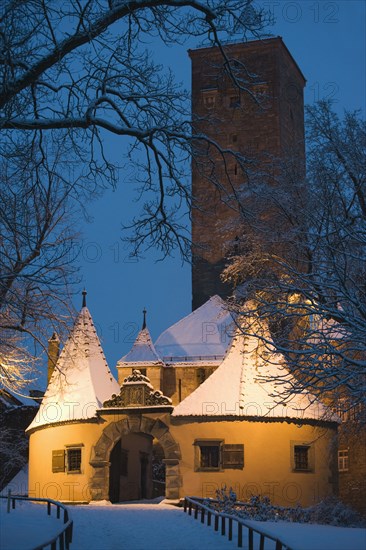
point(58, 461)
point(233, 456)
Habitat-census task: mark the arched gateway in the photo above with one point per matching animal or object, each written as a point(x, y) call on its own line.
point(141, 413)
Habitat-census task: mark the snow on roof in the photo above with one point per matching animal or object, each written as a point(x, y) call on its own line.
point(9, 401)
point(19, 484)
point(142, 352)
point(237, 388)
point(81, 380)
point(204, 333)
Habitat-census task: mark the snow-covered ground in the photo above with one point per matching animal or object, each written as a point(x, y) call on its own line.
point(161, 526)
point(27, 526)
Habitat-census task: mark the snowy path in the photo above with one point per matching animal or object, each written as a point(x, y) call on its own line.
point(140, 527)
point(158, 527)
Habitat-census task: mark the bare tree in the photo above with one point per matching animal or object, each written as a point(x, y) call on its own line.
point(72, 73)
point(82, 68)
point(36, 249)
point(312, 290)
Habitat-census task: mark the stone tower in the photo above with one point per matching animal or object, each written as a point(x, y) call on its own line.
point(265, 122)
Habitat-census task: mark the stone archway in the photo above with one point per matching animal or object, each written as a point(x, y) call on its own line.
point(133, 423)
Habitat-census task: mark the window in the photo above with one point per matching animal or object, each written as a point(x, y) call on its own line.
point(209, 101)
point(74, 460)
point(302, 457)
point(209, 98)
point(210, 456)
point(207, 454)
point(301, 453)
point(214, 455)
point(68, 460)
point(343, 460)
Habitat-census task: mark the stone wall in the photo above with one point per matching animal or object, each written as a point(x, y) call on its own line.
point(265, 124)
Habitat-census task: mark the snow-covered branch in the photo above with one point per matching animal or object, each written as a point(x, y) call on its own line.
point(307, 277)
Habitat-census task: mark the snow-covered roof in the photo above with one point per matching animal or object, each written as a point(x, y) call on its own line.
point(143, 352)
point(238, 388)
point(203, 334)
point(81, 380)
point(9, 401)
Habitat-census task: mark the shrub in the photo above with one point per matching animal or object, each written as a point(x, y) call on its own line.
point(330, 511)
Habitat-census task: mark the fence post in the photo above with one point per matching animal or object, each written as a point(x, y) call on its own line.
point(209, 518)
point(202, 515)
point(230, 529)
point(250, 539)
point(222, 525)
point(196, 511)
point(278, 545)
point(240, 535)
point(190, 508)
point(8, 504)
point(216, 522)
point(185, 505)
point(49, 508)
point(69, 535)
point(261, 542)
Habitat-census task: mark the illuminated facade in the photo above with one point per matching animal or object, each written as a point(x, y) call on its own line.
point(222, 424)
point(190, 412)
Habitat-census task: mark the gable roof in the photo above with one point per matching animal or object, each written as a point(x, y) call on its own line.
point(81, 380)
point(246, 385)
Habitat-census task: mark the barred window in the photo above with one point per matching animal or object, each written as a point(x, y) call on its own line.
point(301, 457)
point(207, 454)
point(210, 456)
point(74, 460)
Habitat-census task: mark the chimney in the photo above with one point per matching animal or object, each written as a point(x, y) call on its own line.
point(53, 353)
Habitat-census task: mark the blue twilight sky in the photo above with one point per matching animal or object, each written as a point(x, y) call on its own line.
point(327, 39)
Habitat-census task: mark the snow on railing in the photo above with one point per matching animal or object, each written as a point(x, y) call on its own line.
point(227, 521)
point(64, 537)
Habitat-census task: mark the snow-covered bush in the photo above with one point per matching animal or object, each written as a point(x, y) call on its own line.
point(330, 511)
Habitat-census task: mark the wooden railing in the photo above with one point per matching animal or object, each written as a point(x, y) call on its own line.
point(64, 536)
point(225, 522)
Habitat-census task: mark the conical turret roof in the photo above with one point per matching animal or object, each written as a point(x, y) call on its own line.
point(143, 352)
point(81, 380)
point(247, 385)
